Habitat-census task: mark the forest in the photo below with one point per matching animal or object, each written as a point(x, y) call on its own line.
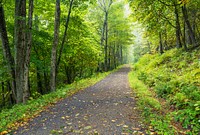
point(48, 45)
point(40, 51)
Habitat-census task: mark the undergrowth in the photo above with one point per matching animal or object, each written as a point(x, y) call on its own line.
point(175, 77)
point(19, 114)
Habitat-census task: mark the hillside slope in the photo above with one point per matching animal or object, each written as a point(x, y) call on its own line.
point(168, 87)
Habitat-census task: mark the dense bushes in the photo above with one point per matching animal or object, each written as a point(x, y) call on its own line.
point(175, 76)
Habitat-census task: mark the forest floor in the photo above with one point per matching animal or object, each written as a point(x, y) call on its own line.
point(106, 108)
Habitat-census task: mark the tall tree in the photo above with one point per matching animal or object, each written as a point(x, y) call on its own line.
point(20, 47)
point(26, 93)
point(105, 7)
point(65, 34)
point(54, 47)
point(178, 27)
point(6, 48)
point(186, 19)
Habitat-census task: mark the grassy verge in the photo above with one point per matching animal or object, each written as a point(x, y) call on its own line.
point(168, 88)
point(19, 114)
point(151, 107)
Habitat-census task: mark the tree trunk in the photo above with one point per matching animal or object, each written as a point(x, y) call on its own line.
point(149, 47)
point(102, 66)
point(178, 29)
point(103, 32)
point(184, 37)
point(106, 43)
point(118, 55)
point(121, 54)
point(12, 100)
point(109, 58)
point(105, 9)
point(6, 49)
point(20, 46)
point(191, 32)
point(26, 94)
point(54, 47)
point(114, 56)
point(194, 18)
point(46, 81)
point(161, 44)
point(39, 82)
point(3, 95)
point(65, 35)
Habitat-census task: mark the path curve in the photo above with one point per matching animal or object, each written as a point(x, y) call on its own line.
point(106, 108)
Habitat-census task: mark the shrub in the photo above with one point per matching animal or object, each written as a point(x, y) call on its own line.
point(174, 76)
point(163, 89)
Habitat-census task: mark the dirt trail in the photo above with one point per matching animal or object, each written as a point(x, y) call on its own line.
point(107, 108)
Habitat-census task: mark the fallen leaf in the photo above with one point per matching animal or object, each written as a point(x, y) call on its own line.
point(77, 115)
point(125, 126)
point(88, 127)
point(78, 131)
point(68, 123)
point(67, 117)
point(113, 120)
point(136, 128)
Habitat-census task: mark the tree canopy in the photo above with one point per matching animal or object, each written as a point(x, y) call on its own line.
point(51, 43)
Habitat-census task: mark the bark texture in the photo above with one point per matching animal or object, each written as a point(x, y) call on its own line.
point(178, 28)
point(20, 47)
point(54, 47)
point(186, 19)
point(26, 94)
point(6, 49)
point(65, 34)
point(105, 6)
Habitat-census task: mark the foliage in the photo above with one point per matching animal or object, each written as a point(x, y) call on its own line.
point(174, 76)
point(150, 106)
point(82, 54)
point(168, 19)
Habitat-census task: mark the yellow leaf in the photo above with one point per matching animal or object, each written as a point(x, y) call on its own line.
point(4, 132)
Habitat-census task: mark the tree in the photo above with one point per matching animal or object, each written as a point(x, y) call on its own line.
point(26, 93)
point(6, 48)
point(186, 19)
point(54, 47)
point(87, 39)
point(105, 6)
point(164, 16)
point(20, 45)
point(65, 34)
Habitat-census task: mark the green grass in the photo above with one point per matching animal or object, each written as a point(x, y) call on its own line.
point(145, 96)
point(21, 113)
point(174, 79)
point(150, 106)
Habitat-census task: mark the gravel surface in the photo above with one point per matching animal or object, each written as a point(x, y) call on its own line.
point(106, 108)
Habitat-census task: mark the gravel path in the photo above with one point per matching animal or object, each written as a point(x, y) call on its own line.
point(106, 108)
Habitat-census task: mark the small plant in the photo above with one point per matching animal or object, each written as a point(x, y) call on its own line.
point(163, 89)
point(174, 77)
point(142, 76)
